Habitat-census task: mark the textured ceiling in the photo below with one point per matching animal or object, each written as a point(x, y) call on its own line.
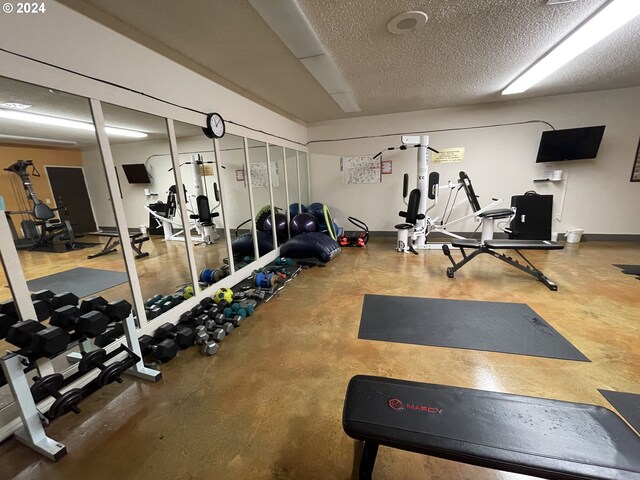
point(467, 53)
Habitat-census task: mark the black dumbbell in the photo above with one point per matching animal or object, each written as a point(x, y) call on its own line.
point(50, 385)
point(113, 331)
point(5, 323)
point(62, 299)
point(90, 324)
point(206, 302)
point(164, 351)
point(184, 337)
point(39, 339)
point(9, 314)
point(45, 301)
point(108, 373)
point(118, 310)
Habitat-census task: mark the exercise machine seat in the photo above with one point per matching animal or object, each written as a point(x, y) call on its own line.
point(525, 435)
point(411, 214)
point(204, 214)
point(497, 213)
point(503, 243)
point(42, 212)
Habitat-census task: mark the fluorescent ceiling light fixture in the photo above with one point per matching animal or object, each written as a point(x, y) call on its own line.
point(63, 122)
point(21, 139)
point(15, 105)
point(288, 21)
point(616, 14)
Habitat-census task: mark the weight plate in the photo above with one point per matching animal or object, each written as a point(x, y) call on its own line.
point(245, 303)
point(91, 360)
point(43, 387)
point(67, 402)
point(111, 374)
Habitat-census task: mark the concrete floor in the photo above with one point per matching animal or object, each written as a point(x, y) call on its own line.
point(269, 405)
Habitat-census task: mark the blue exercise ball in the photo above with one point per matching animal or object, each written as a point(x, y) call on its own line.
point(295, 210)
point(281, 226)
point(303, 223)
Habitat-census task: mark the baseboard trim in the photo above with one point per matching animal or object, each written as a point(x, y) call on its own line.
point(594, 237)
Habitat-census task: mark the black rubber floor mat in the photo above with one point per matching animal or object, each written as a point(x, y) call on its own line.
point(491, 326)
point(627, 404)
point(629, 269)
point(81, 281)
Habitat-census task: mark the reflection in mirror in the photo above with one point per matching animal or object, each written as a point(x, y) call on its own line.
point(54, 189)
point(200, 178)
point(292, 183)
point(6, 319)
point(236, 194)
point(152, 207)
point(261, 195)
point(276, 155)
point(303, 166)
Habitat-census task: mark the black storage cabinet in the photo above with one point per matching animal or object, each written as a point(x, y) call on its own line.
point(154, 228)
point(533, 217)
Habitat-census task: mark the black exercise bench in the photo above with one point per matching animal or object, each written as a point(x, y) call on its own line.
point(490, 247)
point(137, 239)
point(527, 435)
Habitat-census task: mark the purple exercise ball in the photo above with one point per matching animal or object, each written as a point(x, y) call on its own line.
point(303, 223)
point(281, 226)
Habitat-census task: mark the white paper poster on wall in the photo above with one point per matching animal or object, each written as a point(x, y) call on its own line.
point(361, 169)
point(260, 176)
point(448, 155)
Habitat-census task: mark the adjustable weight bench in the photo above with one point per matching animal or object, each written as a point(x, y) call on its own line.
point(137, 239)
point(490, 247)
point(527, 435)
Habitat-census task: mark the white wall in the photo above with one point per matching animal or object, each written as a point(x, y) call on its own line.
point(500, 161)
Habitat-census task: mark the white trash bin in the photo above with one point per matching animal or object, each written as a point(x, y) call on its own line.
point(574, 235)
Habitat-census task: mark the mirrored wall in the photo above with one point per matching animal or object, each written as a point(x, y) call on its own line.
point(177, 210)
point(156, 204)
point(201, 178)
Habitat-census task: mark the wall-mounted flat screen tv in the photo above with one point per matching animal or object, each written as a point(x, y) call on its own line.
point(570, 144)
point(136, 173)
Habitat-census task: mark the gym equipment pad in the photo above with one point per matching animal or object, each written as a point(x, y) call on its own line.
point(491, 326)
point(627, 404)
point(81, 281)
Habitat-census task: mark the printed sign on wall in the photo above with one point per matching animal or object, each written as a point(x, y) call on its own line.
point(361, 169)
point(448, 155)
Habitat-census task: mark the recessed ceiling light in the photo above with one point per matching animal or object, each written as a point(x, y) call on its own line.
point(407, 22)
point(558, 2)
point(14, 105)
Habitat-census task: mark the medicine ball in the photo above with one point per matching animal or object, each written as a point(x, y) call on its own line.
point(281, 226)
point(303, 223)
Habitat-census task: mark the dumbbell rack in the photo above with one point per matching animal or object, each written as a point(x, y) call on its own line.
point(31, 432)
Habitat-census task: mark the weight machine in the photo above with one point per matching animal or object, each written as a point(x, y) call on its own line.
point(201, 215)
point(40, 226)
point(414, 233)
